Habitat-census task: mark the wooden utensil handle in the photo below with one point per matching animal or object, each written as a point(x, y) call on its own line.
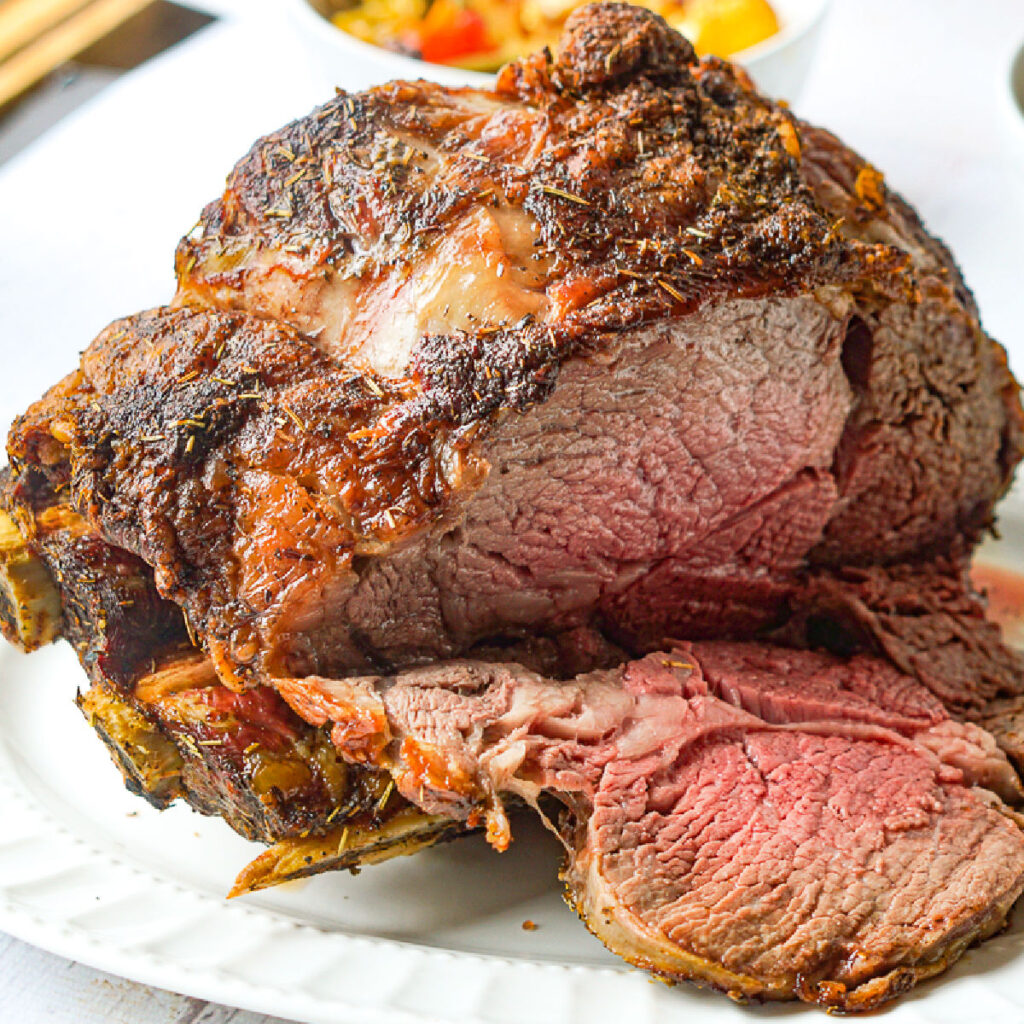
point(37, 36)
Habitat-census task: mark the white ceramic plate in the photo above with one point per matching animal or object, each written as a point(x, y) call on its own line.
point(96, 875)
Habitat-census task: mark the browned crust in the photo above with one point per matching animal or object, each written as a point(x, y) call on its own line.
point(110, 611)
point(376, 461)
point(656, 182)
point(661, 184)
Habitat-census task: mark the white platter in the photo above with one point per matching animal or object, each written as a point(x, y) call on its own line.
point(96, 875)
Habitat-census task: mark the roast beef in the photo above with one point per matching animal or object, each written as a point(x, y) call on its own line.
point(619, 343)
point(775, 823)
point(466, 398)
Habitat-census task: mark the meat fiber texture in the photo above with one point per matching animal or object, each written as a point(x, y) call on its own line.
point(775, 823)
point(543, 375)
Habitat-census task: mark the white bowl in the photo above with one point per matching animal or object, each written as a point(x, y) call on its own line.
point(779, 65)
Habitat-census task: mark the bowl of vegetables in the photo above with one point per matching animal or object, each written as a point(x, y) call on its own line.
point(465, 41)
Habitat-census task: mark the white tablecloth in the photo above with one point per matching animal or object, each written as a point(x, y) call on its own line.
point(915, 85)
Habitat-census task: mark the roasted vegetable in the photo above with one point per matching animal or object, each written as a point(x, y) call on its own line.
point(484, 34)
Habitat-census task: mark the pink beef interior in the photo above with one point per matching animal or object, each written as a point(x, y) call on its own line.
point(774, 822)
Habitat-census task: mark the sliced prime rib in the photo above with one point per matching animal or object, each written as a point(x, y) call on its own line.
point(619, 343)
point(772, 822)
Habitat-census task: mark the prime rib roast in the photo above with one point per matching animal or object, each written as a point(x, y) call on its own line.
point(611, 443)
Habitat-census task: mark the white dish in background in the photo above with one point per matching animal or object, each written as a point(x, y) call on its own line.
point(779, 65)
point(96, 875)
